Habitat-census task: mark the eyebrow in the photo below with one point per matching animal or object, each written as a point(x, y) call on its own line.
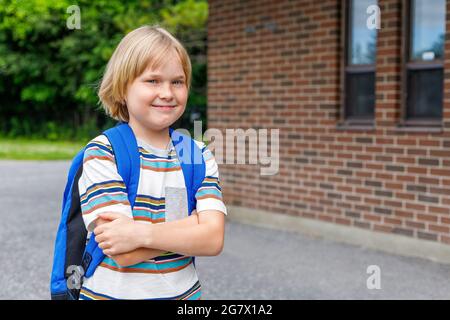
point(181, 76)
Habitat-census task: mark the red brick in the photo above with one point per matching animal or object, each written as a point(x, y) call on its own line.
point(305, 53)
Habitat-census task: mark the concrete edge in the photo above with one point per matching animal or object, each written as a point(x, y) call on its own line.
point(392, 243)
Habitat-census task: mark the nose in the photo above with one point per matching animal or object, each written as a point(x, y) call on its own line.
point(165, 91)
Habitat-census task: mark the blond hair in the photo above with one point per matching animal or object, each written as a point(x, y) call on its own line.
point(147, 46)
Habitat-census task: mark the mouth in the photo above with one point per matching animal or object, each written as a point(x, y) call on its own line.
point(163, 107)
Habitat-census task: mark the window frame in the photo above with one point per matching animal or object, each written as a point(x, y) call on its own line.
point(408, 64)
point(346, 68)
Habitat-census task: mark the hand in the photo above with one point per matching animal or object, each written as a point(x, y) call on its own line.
point(120, 234)
point(101, 221)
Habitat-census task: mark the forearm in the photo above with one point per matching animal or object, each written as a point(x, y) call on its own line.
point(136, 256)
point(143, 254)
point(203, 239)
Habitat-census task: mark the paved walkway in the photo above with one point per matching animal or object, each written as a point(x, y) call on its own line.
point(256, 263)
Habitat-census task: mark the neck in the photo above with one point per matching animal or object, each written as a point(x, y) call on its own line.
point(157, 138)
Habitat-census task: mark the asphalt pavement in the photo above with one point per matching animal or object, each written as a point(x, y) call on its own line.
point(256, 263)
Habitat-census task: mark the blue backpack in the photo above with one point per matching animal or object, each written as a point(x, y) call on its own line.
point(73, 258)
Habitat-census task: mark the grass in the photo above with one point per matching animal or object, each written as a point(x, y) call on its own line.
point(25, 149)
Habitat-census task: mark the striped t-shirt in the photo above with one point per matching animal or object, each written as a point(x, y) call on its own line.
point(161, 197)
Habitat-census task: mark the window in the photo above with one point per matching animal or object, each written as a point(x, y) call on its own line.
point(358, 76)
point(423, 72)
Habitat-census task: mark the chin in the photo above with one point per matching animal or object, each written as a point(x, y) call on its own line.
point(165, 122)
point(161, 125)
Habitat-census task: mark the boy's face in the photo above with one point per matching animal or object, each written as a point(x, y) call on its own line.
point(158, 97)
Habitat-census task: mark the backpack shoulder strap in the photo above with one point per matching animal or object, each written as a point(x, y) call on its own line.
point(126, 153)
point(192, 164)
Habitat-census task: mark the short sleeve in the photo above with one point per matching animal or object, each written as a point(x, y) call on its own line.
point(101, 187)
point(209, 195)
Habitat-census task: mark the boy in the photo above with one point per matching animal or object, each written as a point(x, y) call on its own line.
point(149, 247)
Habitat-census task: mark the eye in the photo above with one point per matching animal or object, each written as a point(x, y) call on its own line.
point(154, 81)
point(178, 82)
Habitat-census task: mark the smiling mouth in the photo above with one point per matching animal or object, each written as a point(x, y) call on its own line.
point(167, 107)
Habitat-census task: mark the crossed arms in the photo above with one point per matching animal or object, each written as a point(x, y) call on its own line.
point(129, 242)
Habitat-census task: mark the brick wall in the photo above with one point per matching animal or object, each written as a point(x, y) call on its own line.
point(276, 64)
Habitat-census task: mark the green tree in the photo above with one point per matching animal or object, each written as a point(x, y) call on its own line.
point(49, 74)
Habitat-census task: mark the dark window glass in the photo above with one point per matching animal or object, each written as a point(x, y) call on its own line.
point(428, 29)
point(425, 90)
point(362, 38)
point(360, 60)
point(360, 97)
point(424, 70)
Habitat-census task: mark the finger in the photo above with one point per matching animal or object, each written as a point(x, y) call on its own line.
point(101, 221)
point(104, 245)
point(108, 252)
point(98, 230)
point(100, 238)
point(110, 216)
